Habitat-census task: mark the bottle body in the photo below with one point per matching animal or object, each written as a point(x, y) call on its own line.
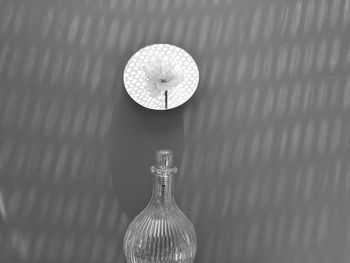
point(161, 233)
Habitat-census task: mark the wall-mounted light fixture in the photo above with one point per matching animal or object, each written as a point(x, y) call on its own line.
point(161, 77)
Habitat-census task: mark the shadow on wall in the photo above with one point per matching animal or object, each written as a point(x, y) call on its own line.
point(17, 243)
point(137, 133)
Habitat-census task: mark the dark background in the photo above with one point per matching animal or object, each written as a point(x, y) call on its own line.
point(263, 145)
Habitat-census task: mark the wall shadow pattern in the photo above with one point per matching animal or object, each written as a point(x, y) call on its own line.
point(265, 170)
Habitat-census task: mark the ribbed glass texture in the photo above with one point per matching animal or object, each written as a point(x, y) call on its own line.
point(161, 233)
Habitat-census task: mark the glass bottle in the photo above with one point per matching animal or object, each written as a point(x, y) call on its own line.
point(161, 233)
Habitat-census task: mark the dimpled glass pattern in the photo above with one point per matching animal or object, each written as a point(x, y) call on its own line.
point(134, 76)
point(161, 232)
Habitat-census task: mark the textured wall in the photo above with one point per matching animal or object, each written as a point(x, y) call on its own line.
point(265, 163)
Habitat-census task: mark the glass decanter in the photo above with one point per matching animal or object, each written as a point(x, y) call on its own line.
point(161, 233)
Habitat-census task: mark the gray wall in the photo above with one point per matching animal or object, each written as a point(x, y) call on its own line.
point(263, 145)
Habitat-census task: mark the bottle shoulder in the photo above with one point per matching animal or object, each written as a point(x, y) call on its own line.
point(156, 211)
point(168, 217)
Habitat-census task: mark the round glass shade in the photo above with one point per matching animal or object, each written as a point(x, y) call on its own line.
point(161, 76)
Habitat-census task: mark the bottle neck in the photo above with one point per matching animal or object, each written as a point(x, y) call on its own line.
point(163, 189)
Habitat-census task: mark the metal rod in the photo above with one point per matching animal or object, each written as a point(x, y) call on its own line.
point(166, 99)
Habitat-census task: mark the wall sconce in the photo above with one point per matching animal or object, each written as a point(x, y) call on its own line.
point(161, 77)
